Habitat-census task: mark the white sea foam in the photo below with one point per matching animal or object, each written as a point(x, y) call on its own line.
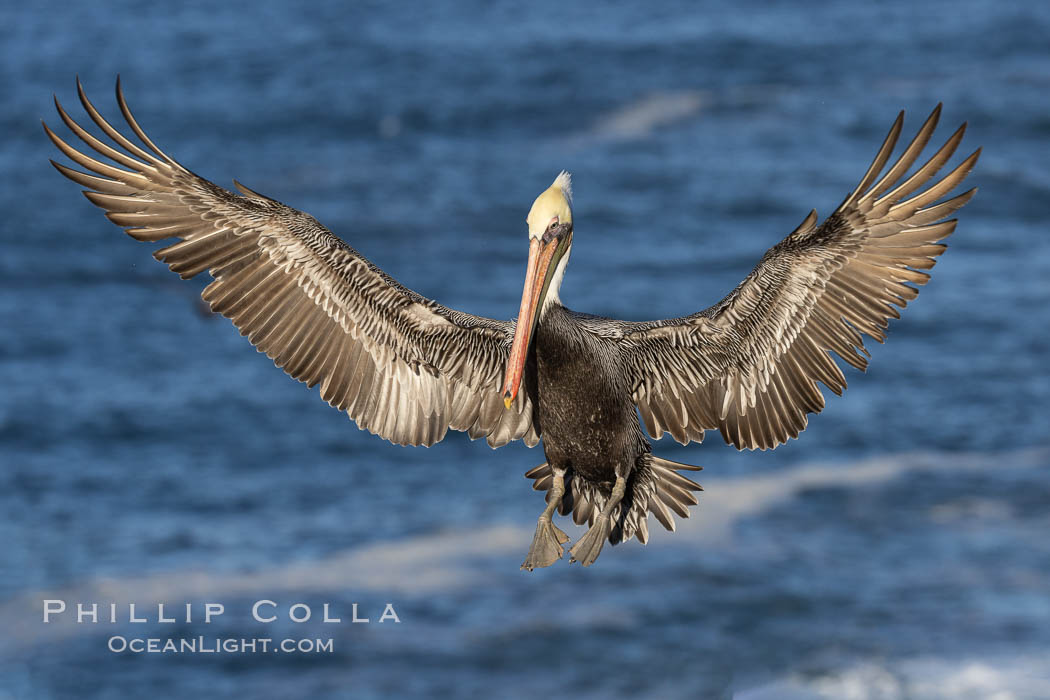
point(1011, 677)
point(642, 117)
point(726, 501)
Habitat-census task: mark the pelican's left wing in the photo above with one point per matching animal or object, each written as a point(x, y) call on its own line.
point(749, 365)
point(402, 366)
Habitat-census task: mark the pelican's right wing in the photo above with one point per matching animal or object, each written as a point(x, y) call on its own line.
point(402, 366)
point(749, 365)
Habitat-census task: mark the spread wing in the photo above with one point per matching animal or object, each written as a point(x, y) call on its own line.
point(749, 365)
point(402, 366)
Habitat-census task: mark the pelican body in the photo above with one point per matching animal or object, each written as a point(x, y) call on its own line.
point(409, 369)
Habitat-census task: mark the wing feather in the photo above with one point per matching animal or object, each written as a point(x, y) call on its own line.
point(749, 365)
point(402, 366)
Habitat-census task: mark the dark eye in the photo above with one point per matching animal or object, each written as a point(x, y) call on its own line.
point(553, 224)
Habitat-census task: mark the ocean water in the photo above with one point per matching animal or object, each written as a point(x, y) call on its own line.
point(149, 455)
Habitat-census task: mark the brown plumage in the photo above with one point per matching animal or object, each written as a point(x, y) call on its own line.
point(408, 369)
point(403, 367)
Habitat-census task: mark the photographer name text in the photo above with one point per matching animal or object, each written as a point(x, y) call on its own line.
point(264, 611)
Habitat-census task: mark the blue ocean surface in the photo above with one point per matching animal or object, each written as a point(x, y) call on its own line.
point(149, 455)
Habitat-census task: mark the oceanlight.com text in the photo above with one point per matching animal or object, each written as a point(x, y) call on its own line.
point(218, 645)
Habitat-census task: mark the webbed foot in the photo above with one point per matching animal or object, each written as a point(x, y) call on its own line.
point(546, 545)
point(587, 549)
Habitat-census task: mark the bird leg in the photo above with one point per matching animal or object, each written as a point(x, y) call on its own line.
point(587, 549)
point(547, 543)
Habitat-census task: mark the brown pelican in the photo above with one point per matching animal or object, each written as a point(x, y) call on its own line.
point(408, 369)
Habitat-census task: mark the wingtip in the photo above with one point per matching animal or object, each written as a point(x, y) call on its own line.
point(250, 193)
point(81, 93)
point(971, 160)
point(807, 224)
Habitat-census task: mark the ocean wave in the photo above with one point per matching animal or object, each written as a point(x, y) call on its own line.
point(462, 560)
point(642, 117)
point(1004, 677)
point(726, 501)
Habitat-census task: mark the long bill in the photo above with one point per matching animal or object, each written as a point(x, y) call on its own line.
point(541, 254)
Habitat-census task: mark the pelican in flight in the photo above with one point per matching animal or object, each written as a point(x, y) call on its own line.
point(409, 369)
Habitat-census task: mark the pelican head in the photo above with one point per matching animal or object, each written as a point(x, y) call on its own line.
point(550, 241)
point(553, 206)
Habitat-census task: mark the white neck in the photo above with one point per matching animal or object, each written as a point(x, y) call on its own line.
point(555, 286)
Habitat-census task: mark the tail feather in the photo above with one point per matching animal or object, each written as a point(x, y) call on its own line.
point(642, 533)
point(673, 490)
point(659, 489)
point(583, 509)
point(536, 472)
point(663, 516)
